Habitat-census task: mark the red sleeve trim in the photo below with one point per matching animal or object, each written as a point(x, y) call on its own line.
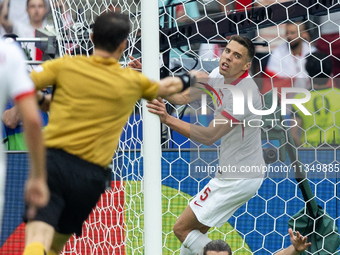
point(244, 75)
point(228, 116)
point(25, 94)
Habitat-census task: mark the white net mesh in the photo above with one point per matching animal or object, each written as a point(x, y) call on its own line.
point(188, 40)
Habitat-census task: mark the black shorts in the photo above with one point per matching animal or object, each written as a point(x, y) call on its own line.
point(75, 186)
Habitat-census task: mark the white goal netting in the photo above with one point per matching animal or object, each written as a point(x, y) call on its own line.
point(192, 36)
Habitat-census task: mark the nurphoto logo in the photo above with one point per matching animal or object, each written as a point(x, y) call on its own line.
point(238, 100)
point(238, 104)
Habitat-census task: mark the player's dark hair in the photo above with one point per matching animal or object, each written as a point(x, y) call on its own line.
point(319, 67)
point(110, 30)
point(217, 245)
point(246, 42)
point(30, 0)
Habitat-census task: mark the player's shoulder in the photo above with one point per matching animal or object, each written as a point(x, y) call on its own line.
point(10, 52)
point(8, 47)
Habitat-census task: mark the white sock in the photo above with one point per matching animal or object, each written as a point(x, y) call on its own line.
point(195, 242)
point(185, 251)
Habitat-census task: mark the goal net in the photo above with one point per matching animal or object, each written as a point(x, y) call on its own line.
point(193, 35)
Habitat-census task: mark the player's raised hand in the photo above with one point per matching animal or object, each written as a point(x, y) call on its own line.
point(298, 241)
point(157, 106)
point(37, 195)
point(135, 64)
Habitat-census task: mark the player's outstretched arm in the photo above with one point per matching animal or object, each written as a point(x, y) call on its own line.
point(172, 85)
point(299, 244)
point(185, 97)
point(36, 191)
point(193, 93)
point(169, 86)
point(205, 135)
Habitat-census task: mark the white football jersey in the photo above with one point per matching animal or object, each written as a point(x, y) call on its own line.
point(14, 83)
point(240, 151)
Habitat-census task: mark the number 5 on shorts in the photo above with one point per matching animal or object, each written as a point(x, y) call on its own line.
point(206, 194)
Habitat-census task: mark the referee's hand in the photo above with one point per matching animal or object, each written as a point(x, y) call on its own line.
point(37, 195)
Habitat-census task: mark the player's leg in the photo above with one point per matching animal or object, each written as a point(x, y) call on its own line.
point(191, 233)
point(39, 237)
point(59, 240)
point(212, 206)
point(186, 223)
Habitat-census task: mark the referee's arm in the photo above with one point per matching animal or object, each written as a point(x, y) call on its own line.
point(187, 96)
point(173, 90)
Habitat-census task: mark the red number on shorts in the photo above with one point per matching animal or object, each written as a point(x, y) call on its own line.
point(206, 194)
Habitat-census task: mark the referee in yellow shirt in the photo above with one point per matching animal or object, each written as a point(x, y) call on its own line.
point(93, 99)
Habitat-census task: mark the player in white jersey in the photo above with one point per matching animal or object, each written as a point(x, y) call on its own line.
point(240, 147)
point(16, 84)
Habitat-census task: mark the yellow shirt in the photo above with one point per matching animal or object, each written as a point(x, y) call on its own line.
point(92, 101)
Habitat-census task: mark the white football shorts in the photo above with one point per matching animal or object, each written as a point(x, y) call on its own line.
point(220, 199)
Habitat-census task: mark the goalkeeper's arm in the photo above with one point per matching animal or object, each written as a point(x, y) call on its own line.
point(299, 244)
